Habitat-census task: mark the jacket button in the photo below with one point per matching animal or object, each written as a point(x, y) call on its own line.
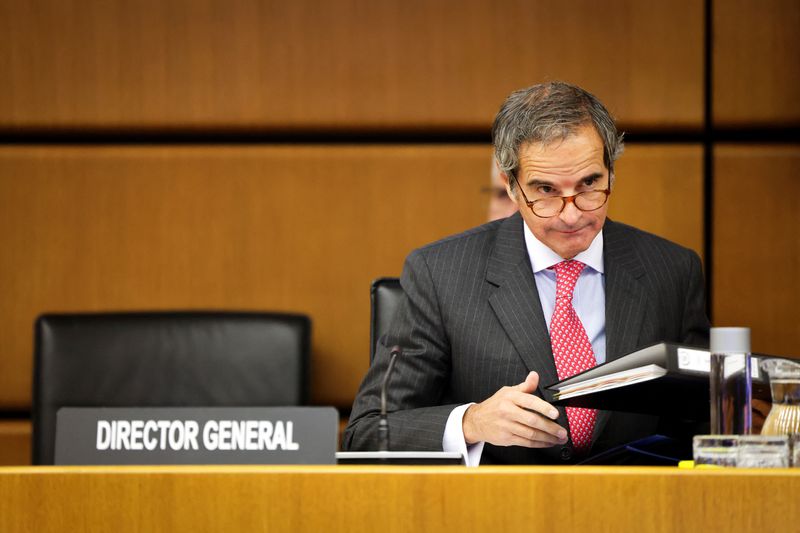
point(566, 454)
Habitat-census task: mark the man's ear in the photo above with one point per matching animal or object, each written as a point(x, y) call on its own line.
point(507, 184)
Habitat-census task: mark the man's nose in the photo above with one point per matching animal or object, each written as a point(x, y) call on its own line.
point(570, 214)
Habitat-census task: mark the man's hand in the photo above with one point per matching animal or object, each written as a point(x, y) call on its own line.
point(513, 416)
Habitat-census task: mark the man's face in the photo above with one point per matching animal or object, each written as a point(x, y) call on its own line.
point(563, 168)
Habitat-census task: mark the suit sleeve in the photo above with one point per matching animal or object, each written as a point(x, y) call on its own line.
point(695, 325)
point(421, 375)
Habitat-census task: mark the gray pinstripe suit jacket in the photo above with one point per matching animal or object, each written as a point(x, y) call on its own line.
point(471, 322)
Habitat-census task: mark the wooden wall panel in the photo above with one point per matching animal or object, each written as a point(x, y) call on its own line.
point(15, 442)
point(253, 64)
point(659, 188)
point(296, 228)
point(756, 63)
point(757, 244)
point(301, 229)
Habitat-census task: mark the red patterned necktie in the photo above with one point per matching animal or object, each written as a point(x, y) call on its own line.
point(571, 349)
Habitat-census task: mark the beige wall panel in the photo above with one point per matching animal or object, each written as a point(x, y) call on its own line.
point(659, 188)
point(757, 244)
point(15, 442)
point(250, 64)
point(295, 228)
point(756, 62)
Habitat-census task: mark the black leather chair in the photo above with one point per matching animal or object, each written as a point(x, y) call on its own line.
point(385, 294)
point(168, 359)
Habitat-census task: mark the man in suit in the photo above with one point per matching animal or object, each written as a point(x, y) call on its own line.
point(492, 315)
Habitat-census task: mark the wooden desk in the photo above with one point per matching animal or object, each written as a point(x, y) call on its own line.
point(366, 498)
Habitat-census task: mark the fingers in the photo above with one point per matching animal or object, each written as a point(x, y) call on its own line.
point(537, 423)
point(535, 404)
point(514, 416)
point(515, 440)
point(530, 383)
point(527, 400)
point(527, 410)
point(536, 438)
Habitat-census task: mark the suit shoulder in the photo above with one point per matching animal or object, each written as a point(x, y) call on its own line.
point(645, 241)
point(477, 237)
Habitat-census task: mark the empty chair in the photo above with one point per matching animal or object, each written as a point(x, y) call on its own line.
point(169, 359)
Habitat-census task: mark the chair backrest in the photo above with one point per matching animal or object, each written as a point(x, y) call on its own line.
point(385, 294)
point(167, 359)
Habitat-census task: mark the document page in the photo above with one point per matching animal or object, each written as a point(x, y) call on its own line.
point(611, 381)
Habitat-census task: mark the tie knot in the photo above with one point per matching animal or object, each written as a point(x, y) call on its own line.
point(567, 273)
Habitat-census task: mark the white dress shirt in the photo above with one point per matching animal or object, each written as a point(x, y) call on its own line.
point(588, 299)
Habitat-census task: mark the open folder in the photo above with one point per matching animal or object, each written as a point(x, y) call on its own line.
point(662, 379)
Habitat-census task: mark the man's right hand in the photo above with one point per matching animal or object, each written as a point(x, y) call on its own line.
point(514, 416)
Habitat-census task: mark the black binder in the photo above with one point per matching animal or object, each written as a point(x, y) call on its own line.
point(681, 392)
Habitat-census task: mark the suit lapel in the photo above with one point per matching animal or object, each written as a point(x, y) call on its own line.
point(625, 300)
point(515, 301)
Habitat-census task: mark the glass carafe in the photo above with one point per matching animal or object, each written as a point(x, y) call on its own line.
point(784, 382)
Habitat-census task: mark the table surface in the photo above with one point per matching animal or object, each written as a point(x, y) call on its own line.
point(396, 498)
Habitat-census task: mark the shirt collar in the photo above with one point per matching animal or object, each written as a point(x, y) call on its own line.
point(543, 257)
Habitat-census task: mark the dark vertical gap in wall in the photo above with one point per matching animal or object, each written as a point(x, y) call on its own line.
point(708, 157)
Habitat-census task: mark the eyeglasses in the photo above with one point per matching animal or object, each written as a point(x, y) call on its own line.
point(554, 205)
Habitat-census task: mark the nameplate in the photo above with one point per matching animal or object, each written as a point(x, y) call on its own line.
point(196, 435)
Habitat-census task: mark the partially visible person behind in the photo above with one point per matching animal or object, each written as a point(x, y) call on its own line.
point(500, 204)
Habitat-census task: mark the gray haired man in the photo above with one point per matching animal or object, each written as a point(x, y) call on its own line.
point(492, 315)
